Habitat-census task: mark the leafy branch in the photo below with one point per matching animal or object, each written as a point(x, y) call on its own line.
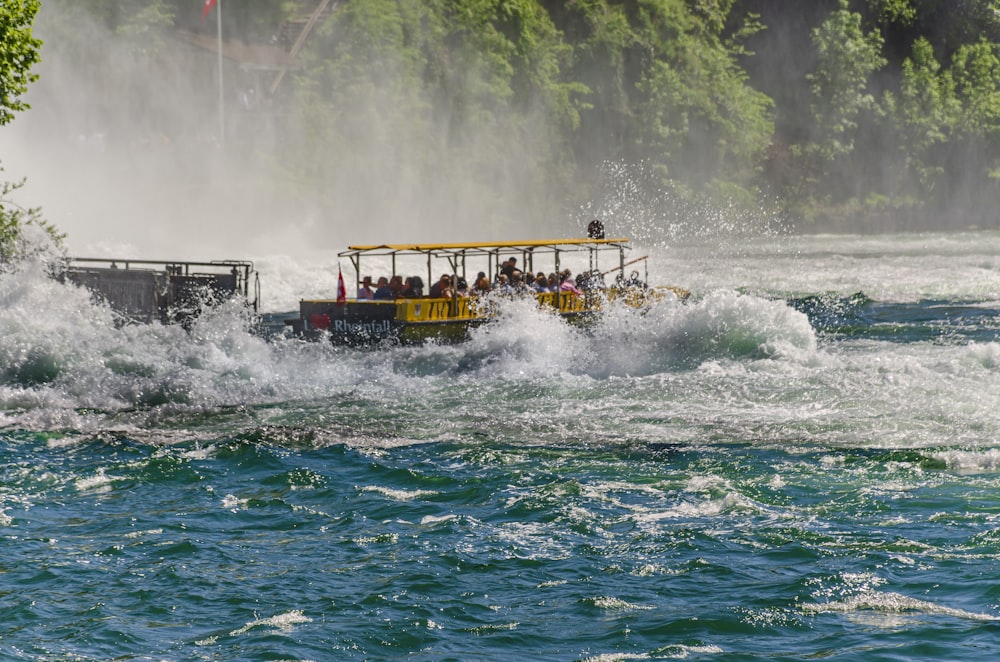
point(14, 219)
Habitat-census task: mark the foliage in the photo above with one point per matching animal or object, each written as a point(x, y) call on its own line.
point(13, 221)
point(846, 59)
point(924, 115)
point(702, 114)
point(18, 53)
point(666, 90)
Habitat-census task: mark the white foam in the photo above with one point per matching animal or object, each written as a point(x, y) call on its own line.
point(396, 494)
point(669, 652)
point(282, 622)
point(99, 482)
point(970, 461)
point(233, 503)
point(892, 603)
point(609, 603)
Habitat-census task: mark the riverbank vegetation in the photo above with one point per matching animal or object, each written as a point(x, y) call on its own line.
point(845, 114)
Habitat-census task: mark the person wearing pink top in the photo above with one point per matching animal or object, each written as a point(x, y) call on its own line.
point(567, 284)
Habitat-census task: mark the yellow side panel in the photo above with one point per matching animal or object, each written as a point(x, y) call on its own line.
point(435, 310)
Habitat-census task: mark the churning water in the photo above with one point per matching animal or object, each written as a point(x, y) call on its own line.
point(801, 462)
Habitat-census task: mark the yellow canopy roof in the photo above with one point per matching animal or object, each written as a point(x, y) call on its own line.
point(483, 248)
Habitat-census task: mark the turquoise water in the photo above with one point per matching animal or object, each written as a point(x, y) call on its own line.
point(781, 469)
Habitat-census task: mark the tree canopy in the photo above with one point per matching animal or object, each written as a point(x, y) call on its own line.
point(19, 51)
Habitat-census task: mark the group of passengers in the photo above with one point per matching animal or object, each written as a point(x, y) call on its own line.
point(509, 280)
point(391, 288)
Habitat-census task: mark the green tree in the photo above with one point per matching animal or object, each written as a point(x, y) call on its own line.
point(15, 218)
point(828, 169)
point(699, 117)
point(846, 59)
point(974, 154)
point(923, 116)
point(668, 91)
point(18, 53)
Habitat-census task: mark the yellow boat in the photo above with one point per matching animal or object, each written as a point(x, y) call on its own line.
point(417, 317)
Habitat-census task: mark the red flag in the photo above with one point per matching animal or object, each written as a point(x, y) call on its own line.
point(207, 7)
point(341, 290)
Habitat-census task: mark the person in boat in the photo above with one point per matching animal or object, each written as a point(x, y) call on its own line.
point(508, 267)
point(633, 281)
point(382, 292)
point(463, 287)
point(410, 289)
point(553, 281)
point(590, 280)
point(483, 286)
point(567, 284)
point(442, 288)
point(503, 285)
point(517, 284)
point(365, 292)
point(396, 286)
point(541, 284)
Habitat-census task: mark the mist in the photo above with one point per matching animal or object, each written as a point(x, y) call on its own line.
point(121, 149)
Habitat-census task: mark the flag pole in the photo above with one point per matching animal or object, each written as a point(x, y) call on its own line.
point(222, 94)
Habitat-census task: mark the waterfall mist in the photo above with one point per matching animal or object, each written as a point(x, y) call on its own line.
point(121, 150)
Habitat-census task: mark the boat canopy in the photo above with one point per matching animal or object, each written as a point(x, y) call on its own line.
point(484, 248)
point(456, 254)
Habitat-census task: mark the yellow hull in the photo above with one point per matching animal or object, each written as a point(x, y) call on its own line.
point(421, 319)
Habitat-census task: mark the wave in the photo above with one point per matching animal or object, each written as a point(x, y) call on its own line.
point(67, 365)
point(525, 342)
point(890, 603)
point(727, 361)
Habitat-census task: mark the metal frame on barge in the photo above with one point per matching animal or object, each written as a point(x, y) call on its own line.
point(352, 321)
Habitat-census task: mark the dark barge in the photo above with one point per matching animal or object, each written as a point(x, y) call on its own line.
point(165, 291)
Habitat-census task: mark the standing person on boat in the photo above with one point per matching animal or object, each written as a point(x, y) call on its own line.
point(508, 267)
point(365, 292)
